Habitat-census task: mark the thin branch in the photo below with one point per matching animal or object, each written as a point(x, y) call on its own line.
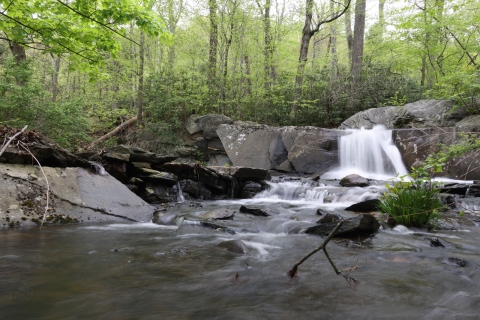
point(98, 22)
point(11, 139)
point(293, 272)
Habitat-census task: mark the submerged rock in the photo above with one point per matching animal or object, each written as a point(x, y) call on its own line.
point(236, 246)
point(250, 189)
point(363, 224)
point(219, 214)
point(437, 242)
point(354, 180)
point(457, 262)
point(254, 211)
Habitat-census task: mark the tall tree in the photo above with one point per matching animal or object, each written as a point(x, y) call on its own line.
point(310, 28)
point(212, 56)
point(357, 49)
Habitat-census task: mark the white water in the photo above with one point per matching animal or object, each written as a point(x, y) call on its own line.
point(369, 153)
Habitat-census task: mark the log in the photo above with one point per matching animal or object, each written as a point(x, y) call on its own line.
point(124, 125)
point(11, 139)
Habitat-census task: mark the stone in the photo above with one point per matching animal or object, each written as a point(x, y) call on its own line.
point(218, 214)
point(135, 154)
point(243, 172)
point(250, 189)
point(118, 170)
point(354, 180)
point(236, 246)
point(191, 124)
point(159, 194)
point(160, 176)
point(77, 195)
point(321, 212)
point(457, 262)
point(419, 114)
point(254, 211)
point(469, 124)
point(364, 206)
point(330, 218)
point(361, 225)
point(195, 189)
point(437, 242)
point(209, 124)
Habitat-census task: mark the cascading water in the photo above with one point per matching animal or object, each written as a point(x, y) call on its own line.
point(369, 153)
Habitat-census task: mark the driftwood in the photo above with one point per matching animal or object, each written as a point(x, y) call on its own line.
point(11, 139)
point(124, 125)
point(293, 272)
point(344, 273)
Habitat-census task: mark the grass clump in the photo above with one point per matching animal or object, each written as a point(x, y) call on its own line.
point(412, 203)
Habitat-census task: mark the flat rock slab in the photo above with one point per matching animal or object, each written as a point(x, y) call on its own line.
point(243, 172)
point(77, 195)
point(219, 214)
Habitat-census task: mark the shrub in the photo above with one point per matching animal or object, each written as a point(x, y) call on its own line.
point(411, 203)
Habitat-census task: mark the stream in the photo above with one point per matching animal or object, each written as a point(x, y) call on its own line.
point(153, 271)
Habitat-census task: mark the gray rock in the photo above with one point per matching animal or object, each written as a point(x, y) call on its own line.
point(354, 180)
point(218, 214)
point(364, 206)
point(243, 172)
point(159, 193)
point(420, 114)
point(191, 124)
point(78, 195)
point(195, 189)
point(134, 154)
point(236, 246)
point(254, 211)
point(160, 176)
point(469, 124)
point(209, 124)
point(437, 242)
point(250, 189)
point(457, 262)
point(330, 218)
point(364, 224)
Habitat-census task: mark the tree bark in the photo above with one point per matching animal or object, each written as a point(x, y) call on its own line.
point(349, 35)
point(56, 71)
point(381, 18)
point(124, 125)
point(18, 52)
point(307, 33)
point(140, 79)
point(357, 50)
point(212, 57)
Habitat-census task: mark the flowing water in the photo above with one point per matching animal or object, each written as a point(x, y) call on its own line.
point(177, 270)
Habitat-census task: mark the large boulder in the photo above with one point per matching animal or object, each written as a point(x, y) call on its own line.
point(76, 195)
point(301, 149)
point(363, 224)
point(209, 124)
point(419, 114)
point(354, 180)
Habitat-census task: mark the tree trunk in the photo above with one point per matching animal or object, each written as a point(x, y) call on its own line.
point(357, 50)
point(349, 35)
point(140, 80)
point(302, 60)
point(267, 51)
point(56, 71)
point(18, 52)
point(212, 57)
point(333, 45)
point(381, 18)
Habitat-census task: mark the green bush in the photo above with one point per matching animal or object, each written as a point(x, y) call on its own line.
point(411, 203)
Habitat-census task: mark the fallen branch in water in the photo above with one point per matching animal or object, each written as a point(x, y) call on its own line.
point(293, 272)
point(11, 139)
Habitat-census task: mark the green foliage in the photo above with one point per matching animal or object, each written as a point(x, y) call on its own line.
point(24, 101)
point(89, 30)
point(411, 202)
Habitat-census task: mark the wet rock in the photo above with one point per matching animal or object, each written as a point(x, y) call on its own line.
point(154, 175)
point(473, 190)
point(457, 262)
point(236, 246)
point(137, 182)
point(354, 180)
point(243, 172)
point(195, 189)
point(135, 154)
point(254, 211)
point(361, 225)
point(454, 188)
point(452, 224)
point(159, 194)
point(437, 242)
point(250, 189)
point(219, 214)
point(118, 170)
point(364, 206)
point(330, 218)
point(322, 212)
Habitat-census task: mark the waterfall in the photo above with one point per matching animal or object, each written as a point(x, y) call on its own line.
point(99, 169)
point(180, 197)
point(369, 153)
